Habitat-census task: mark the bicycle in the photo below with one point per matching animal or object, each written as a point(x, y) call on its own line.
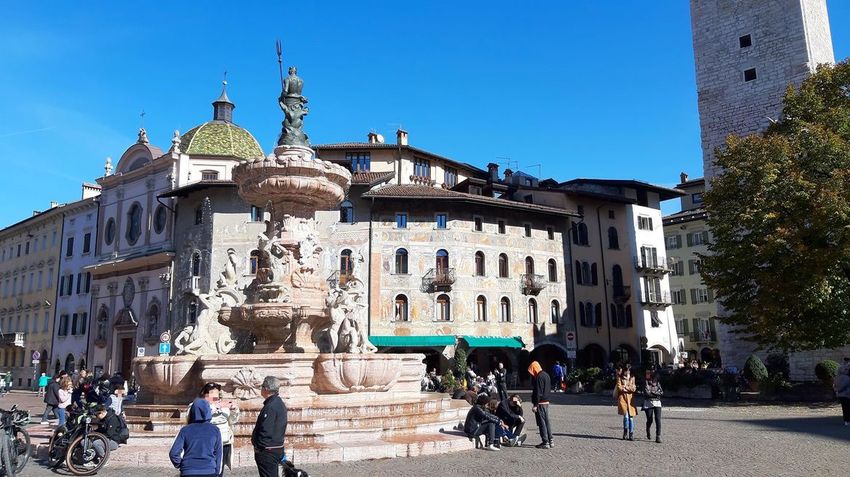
point(73, 445)
point(15, 444)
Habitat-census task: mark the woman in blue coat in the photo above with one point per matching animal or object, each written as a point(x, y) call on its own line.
point(197, 451)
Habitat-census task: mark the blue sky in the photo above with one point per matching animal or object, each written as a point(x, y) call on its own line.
point(584, 89)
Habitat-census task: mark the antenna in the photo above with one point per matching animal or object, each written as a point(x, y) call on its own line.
point(539, 168)
point(279, 48)
point(507, 161)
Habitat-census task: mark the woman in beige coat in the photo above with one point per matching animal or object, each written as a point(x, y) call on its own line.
point(624, 391)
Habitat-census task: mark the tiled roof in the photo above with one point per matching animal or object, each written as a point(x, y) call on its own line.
point(685, 216)
point(187, 189)
point(415, 191)
point(218, 138)
point(378, 145)
point(665, 193)
point(370, 178)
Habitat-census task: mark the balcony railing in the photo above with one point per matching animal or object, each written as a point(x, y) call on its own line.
point(661, 300)
point(438, 279)
point(622, 293)
point(192, 284)
point(703, 337)
point(13, 339)
point(658, 265)
point(532, 284)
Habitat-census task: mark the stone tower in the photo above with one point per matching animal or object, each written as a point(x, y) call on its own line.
point(747, 52)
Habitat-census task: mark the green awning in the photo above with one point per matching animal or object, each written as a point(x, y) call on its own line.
point(427, 341)
point(493, 342)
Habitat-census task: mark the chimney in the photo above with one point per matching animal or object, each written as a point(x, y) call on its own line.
point(90, 190)
point(683, 177)
point(373, 138)
point(508, 175)
point(54, 204)
point(493, 172)
point(401, 137)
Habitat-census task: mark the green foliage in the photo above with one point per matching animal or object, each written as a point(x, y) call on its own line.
point(777, 364)
point(779, 260)
point(687, 378)
point(584, 376)
point(449, 382)
point(775, 383)
point(460, 366)
point(826, 371)
point(755, 370)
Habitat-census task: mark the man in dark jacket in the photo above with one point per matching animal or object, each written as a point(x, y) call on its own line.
point(51, 397)
point(510, 412)
point(479, 421)
point(198, 448)
point(270, 430)
point(540, 386)
point(110, 426)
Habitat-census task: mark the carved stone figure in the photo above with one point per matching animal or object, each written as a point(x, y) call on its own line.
point(293, 105)
point(309, 251)
point(227, 278)
point(347, 331)
point(246, 383)
point(208, 336)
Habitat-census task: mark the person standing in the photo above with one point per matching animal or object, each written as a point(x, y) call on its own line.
point(624, 392)
point(270, 429)
point(501, 374)
point(51, 399)
point(80, 383)
point(558, 376)
point(652, 393)
point(64, 393)
point(225, 414)
point(197, 450)
point(842, 391)
point(540, 386)
point(42, 383)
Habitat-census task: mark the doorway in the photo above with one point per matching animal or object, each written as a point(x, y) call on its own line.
point(126, 361)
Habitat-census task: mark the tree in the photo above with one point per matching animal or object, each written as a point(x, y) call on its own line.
point(780, 214)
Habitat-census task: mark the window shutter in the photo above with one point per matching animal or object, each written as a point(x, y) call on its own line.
point(685, 326)
point(690, 267)
point(705, 237)
point(594, 276)
point(678, 241)
point(710, 295)
point(613, 315)
point(629, 316)
point(683, 296)
point(696, 325)
point(690, 240)
point(598, 319)
point(712, 327)
point(578, 273)
point(582, 318)
point(693, 295)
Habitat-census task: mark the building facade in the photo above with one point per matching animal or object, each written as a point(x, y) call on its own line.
point(29, 265)
point(73, 295)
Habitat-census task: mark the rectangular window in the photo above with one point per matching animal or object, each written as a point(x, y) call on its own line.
point(401, 220)
point(550, 233)
point(88, 282)
point(694, 266)
point(678, 297)
point(697, 238)
point(257, 214)
point(450, 177)
point(696, 198)
point(479, 224)
point(360, 161)
point(32, 282)
point(79, 282)
point(87, 243)
point(27, 249)
point(527, 228)
point(19, 250)
point(209, 175)
point(70, 283)
point(69, 247)
point(677, 268)
point(49, 277)
point(673, 241)
point(422, 168)
point(611, 214)
point(442, 221)
point(745, 41)
point(34, 247)
point(74, 322)
point(644, 223)
point(62, 285)
point(750, 75)
point(502, 227)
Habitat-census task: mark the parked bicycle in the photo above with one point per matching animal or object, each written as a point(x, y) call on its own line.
point(14, 441)
point(74, 445)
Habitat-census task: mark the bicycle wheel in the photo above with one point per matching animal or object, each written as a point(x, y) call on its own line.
point(56, 448)
point(8, 468)
point(81, 458)
point(21, 446)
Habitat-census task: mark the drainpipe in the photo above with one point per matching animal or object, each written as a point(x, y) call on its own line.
point(604, 278)
point(369, 272)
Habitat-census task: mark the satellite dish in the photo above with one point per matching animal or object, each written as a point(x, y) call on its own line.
point(380, 138)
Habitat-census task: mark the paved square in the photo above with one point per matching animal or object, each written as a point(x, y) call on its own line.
point(700, 438)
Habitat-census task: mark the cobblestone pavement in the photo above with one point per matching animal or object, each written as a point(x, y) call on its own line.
point(699, 439)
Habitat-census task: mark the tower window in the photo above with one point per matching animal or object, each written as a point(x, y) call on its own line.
point(745, 41)
point(750, 74)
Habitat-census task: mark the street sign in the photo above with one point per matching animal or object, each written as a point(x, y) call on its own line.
point(35, 362)
point(571, 354)
point(36, 356)
point(571, 341)
point(165, 348)
point(165, 337)
point(140, 352)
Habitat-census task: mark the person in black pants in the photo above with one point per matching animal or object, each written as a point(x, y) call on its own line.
point(51, 397)
point(510, 412)
point(501, 373)
point(652, 393)
point(541, 384)
point(270, 430)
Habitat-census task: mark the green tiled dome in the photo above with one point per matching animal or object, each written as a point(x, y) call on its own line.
point(220, 138)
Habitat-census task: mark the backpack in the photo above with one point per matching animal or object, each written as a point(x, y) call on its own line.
point(124, 432)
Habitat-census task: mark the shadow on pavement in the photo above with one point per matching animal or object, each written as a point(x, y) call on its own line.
point(585, 436)
point(829, 427)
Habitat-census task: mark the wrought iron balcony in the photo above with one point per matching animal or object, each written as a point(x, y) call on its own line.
point(703, 337)
point(657, 265)
point(532, 284)
point(438, 279)
point(659, 300)
point(622, 293)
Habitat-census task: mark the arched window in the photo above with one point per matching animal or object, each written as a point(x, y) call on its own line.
point(615, 322)
point(69, 364)
point(346, 212)
point(345, 265)
point(578, 273)
point(400, 311)
point(532, 311)
point(574, 232)
point(613, 239)
point(109, 233)
point(555, 311)
point(582, 315)
point(503, 265)
point(505, 310)
point(582, 234)
point(153, 320)
point(617, 277)
point(598, 322)
point(588, 313)
point(192, 311)
point(594, 278)
point(196, 264)
point(199, 215)
point(401, 261)
point(553, 270)
point(480, 269)
point(585, 273)
point(444, 308)
point(481, 308)
point(442, 259)
point(134, 223)
point(529, 265)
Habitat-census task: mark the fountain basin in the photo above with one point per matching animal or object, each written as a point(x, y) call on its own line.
point(166, 375)
point(354, 373)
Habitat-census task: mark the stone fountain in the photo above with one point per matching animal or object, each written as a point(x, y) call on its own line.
point(346, 401)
